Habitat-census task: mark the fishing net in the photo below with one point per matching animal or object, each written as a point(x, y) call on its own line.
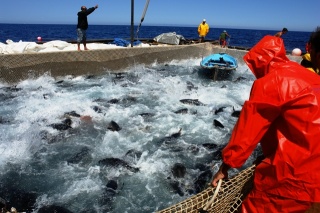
point(17, 67)
point(228, 200)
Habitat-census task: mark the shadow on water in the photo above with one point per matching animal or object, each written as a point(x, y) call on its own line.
point(216, 74)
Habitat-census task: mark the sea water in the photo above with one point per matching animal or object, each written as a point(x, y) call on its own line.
point(36, 159)
point(239, 37)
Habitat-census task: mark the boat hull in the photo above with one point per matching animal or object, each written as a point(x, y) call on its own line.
point(220, 61)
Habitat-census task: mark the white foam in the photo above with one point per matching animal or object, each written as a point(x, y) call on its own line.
point(156, 90)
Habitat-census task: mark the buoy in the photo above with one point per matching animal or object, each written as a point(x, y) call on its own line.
point(39, 38)
point(296, 52)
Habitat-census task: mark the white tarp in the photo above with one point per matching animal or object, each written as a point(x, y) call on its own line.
point(169, 38)
point(52, 46)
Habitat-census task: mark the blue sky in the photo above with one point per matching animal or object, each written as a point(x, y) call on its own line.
point(245, 14)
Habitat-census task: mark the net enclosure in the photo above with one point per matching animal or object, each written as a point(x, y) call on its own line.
point(228, 200)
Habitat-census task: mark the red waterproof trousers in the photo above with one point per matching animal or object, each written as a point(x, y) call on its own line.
point(257, 202)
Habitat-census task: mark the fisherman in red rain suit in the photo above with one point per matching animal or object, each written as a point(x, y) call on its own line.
point(283, 114)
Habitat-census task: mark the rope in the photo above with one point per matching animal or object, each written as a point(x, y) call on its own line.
point(214, 195)
point(142, 17)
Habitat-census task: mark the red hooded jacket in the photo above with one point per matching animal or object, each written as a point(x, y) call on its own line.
point(283, 114)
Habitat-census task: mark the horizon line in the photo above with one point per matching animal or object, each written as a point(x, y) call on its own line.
point(159, 25)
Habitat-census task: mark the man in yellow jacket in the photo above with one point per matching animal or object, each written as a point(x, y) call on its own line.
point(203, 30)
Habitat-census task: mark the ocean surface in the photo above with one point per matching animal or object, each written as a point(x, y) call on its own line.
point(239, 37)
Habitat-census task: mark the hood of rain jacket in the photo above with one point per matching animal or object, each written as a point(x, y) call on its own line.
point(265, 55)
point(283, 115)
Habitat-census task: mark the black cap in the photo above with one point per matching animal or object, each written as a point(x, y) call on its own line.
point(285, 29)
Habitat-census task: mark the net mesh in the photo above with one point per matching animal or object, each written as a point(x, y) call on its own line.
point(17, 67)
point(228, 200)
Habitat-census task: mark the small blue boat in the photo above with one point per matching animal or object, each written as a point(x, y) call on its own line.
point(220, 61)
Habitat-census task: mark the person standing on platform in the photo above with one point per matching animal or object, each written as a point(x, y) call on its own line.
point(82, 25)
point(279, 34)
point(283, 115)
point(223, 38)
point(203, 30)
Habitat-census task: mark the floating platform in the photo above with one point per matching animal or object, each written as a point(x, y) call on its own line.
point(17, 67)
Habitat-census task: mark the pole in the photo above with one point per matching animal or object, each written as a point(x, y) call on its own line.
point(132, 22)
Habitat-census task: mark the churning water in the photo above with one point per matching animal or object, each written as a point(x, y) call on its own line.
point(97, 166)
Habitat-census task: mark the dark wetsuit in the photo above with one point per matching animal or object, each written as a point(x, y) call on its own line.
point(82, 25)
point(82, 18)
